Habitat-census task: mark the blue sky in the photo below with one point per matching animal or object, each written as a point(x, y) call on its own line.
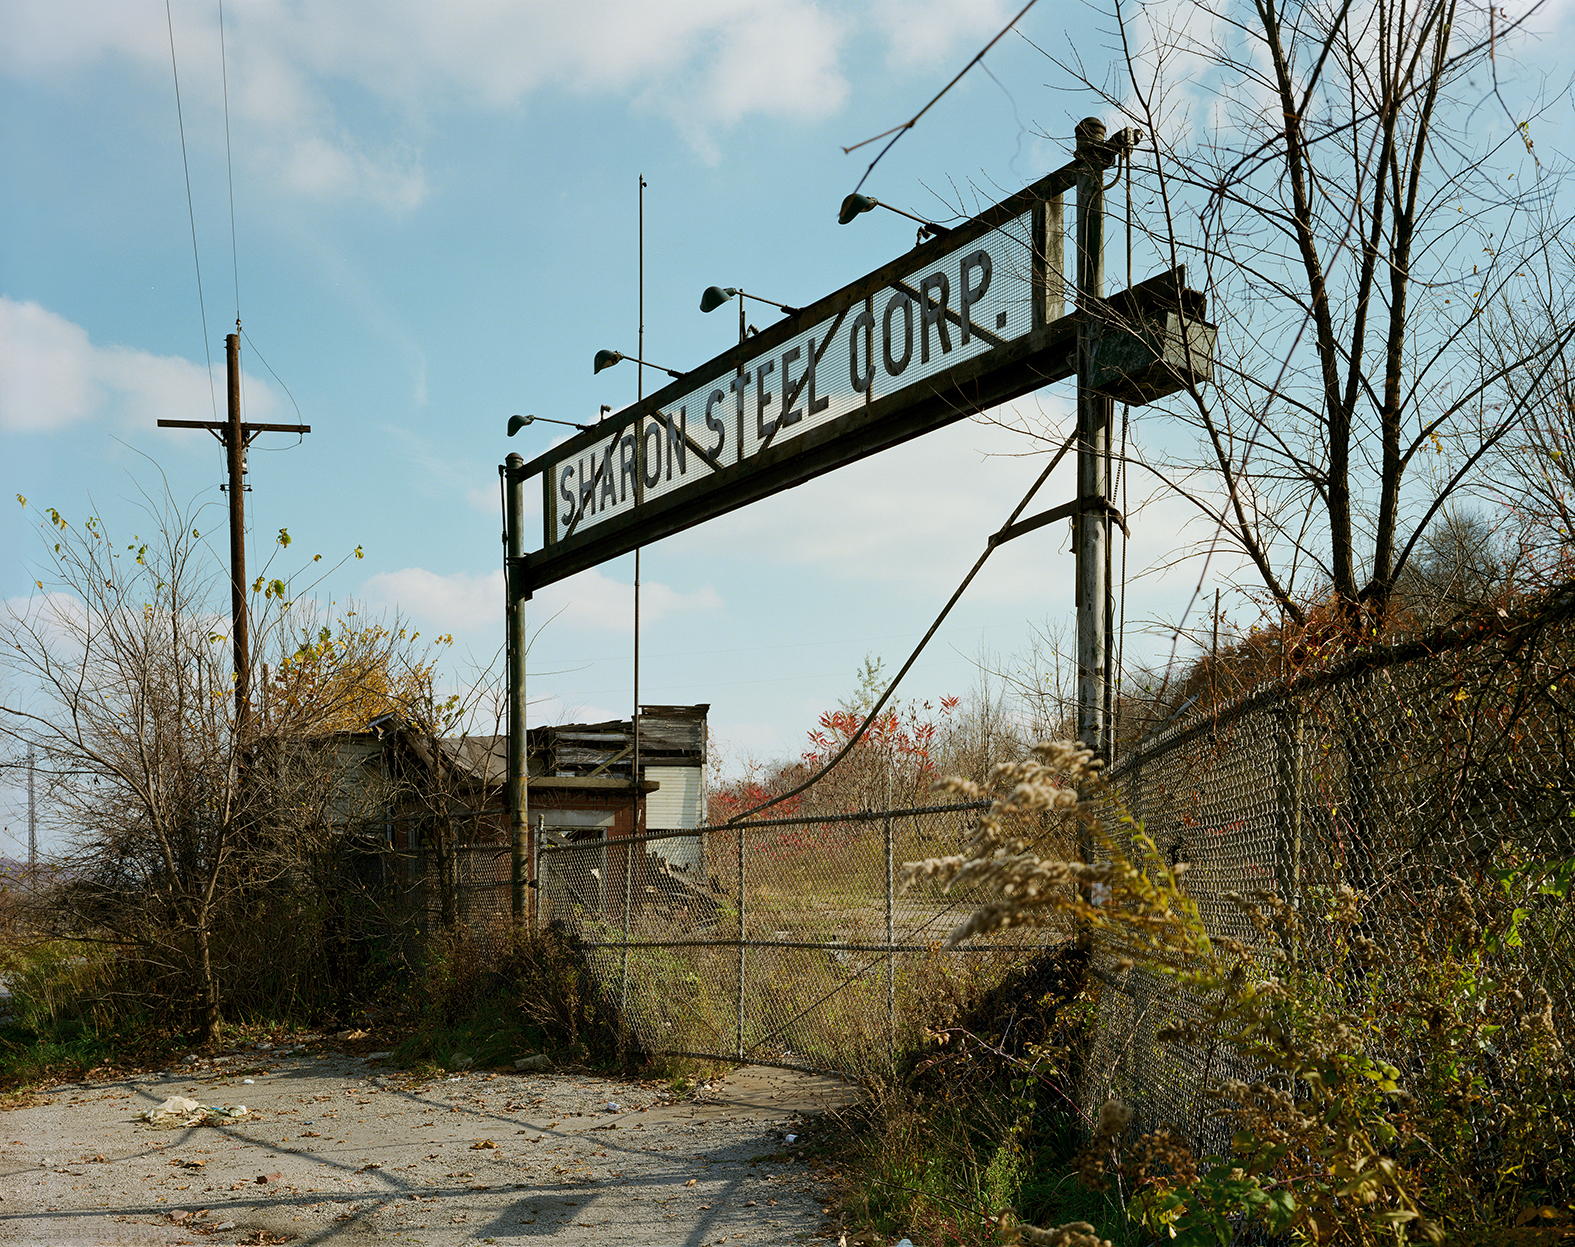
point(435, 226)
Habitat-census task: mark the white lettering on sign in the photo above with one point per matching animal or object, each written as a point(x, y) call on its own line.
point(956, 307)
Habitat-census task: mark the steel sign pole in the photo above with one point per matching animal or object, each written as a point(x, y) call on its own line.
point(518, 760)
point(1094, 156)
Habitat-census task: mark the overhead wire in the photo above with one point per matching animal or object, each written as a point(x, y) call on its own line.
point(229, 165)
point(898, 131)
point(891, 688)
point(275, 376)
point(191, 210)
point(235, 260)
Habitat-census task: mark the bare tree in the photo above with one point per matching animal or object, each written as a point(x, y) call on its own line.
point(1534, 478)
point(1347, 185)
point(178, 826)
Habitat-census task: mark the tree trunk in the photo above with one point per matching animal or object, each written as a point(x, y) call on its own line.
point(208, 987)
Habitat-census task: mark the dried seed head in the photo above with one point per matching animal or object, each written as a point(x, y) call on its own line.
point(1072, 1234)
point(1114, 1117)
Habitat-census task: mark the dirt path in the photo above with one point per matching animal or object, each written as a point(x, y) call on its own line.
point(341, 1150)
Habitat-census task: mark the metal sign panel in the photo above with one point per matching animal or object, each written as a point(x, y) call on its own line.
point(944, 308)
point(957, 325)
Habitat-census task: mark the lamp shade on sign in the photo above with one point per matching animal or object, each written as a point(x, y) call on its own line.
point(855, 204)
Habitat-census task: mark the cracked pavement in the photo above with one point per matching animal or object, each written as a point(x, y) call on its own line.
point(342, 1150)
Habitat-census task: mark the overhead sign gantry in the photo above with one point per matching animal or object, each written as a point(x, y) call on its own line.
point(954, 327)
point(966, 322)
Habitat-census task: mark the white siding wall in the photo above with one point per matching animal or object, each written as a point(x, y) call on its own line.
point(678, 804)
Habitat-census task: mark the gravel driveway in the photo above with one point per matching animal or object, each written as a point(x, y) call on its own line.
point(336, 1149)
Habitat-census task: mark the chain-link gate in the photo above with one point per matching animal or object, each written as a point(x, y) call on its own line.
point(790, 945)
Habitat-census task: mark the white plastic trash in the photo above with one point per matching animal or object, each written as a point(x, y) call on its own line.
point(180, 1110)
point(176, 1108)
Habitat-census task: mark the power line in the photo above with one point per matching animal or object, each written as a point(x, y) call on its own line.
point(229, 165)
point(191, 211)
point(271, 372)
point(1004, 533)
point(898, 131)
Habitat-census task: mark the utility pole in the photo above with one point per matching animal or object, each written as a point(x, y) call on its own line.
point(1094, 156)
point(639, 393)
point(235, 437)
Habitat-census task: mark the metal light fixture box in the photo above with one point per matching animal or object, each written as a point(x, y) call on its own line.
point(1161, 355)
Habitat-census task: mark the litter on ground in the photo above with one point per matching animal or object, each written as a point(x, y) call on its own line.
point(181, 1110)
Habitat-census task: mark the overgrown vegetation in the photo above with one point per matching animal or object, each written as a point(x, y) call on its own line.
point(223, 840)
point(529, 993)
point(983, 1120)
point(1380, 1076)
point(78, 1009)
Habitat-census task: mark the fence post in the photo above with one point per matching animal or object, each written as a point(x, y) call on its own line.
point(628, 895)
point(891, 942)
point(1289, 785)
point(535, 871)
point(740, 942)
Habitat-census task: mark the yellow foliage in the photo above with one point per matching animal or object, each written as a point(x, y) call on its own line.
point(342, 681)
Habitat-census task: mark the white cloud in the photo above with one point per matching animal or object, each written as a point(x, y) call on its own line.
point(52, 376)
point(49, 614)
point(588, 602)
point(923, 32)
point(592, 601)
point(914, 517)
point(453, 603)
point(302, 72)
point(772, 59)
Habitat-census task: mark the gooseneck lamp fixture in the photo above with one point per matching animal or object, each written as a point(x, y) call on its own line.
point(715, 296)
point(606, 359)
point(855, 205)
point(516, 423)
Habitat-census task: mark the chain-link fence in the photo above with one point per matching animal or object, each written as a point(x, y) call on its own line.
point(1414, 775)
point(1405, 773)
point(790, 944)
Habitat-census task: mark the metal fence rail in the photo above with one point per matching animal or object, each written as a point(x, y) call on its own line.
point(791, 945)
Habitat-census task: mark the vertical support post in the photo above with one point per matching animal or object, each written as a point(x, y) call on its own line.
point(634, 786)
point(518, 761)
point(32, 821)
point(535, 871)
point(1289, 782)
point(628, 908)
point(740, 942)
point(1093, 446)
point(235, 455)
point(891, 941)
point(634, 721)
point(1049, 262)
